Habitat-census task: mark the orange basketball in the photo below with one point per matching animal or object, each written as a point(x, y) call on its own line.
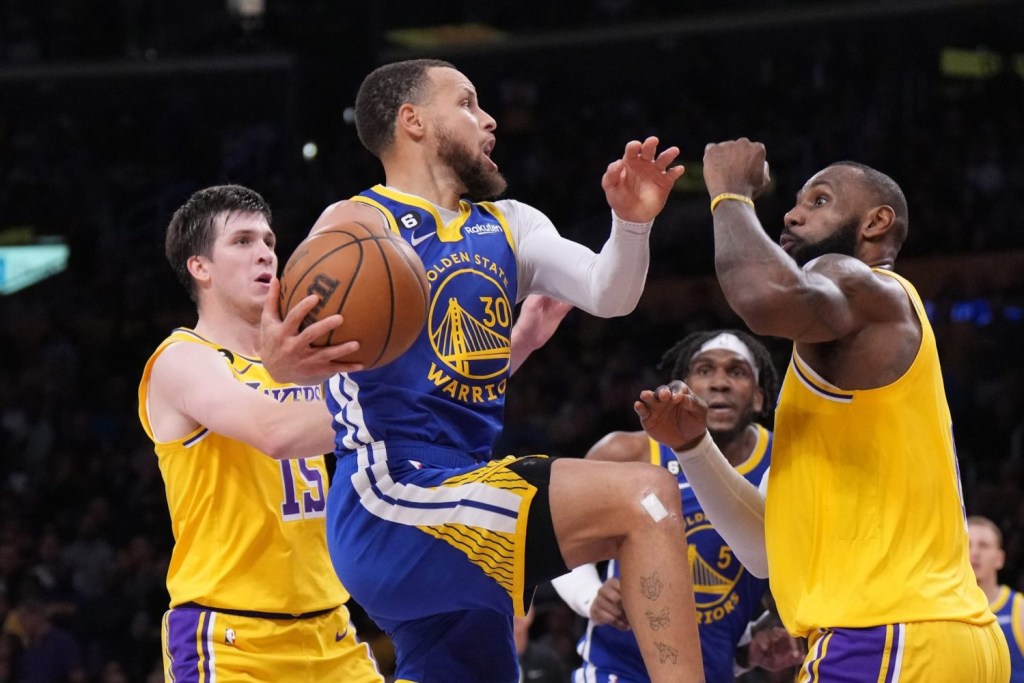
point(369, 275)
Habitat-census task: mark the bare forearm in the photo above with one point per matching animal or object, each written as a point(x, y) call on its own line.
point(757, 277)
point(297, 431)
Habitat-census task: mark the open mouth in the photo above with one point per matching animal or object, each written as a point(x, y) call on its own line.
point(487, 149)
point(265, 278)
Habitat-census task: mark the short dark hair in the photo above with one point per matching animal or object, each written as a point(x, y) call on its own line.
point(886, 191)
point(383, 92)
point(675, 363)
point(191, 230)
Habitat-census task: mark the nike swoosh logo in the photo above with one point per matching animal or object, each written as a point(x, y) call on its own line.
point(340, 636)
point(414, 240)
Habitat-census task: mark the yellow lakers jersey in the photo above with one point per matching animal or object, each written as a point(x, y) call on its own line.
point(249, 531)
point(864, 514)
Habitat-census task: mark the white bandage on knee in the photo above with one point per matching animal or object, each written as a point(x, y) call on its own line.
point(654, 507)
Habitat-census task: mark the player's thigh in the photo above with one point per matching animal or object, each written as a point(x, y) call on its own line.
point(952, 651)
point(594, 504)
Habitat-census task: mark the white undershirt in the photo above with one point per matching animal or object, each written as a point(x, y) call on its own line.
point(605, 284)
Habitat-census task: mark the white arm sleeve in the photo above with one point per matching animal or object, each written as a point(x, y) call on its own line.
point(578, 588)
point(607, 284)
point(733, 504)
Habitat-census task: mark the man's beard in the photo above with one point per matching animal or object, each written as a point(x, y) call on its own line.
point(842, 241)
point(479, 180)
point(724, 436)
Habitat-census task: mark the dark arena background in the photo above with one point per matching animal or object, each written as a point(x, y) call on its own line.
point(113, 112)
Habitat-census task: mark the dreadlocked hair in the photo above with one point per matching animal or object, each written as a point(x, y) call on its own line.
point(675, 364)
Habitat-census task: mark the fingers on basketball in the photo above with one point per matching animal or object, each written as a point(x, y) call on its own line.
point(371, 277)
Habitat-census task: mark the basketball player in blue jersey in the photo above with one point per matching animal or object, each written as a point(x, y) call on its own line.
point(733, 372)
point(987, 558)
point(862, 528)
point(438, 542)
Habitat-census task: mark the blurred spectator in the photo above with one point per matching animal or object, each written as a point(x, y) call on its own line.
point(50, 654)
point(537, 662)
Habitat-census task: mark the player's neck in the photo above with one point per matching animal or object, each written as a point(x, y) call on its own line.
point(991, 589)
point(431, 181)
point(738, 450)
point(230, 330)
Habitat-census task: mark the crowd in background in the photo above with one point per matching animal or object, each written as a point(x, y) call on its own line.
point(103, 159)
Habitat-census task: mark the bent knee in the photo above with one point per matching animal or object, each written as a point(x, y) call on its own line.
point(655, 495)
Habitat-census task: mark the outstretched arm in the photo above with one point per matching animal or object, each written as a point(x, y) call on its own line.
point(191, 386)
point(608, 283)
point(674, 415)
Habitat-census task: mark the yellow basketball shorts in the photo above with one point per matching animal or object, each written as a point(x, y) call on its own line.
point(208, 646)
point(919, 652)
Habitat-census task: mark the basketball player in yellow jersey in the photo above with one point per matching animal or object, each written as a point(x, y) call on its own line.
point(253, 592)
point(863, 521)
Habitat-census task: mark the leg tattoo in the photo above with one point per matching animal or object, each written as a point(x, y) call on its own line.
point(667, 653)
point(660, 620)
point(650, 586)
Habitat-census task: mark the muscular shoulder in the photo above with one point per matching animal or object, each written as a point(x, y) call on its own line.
point(877, 297)
point(621, 447)
point(347, 211)
point(183, 360)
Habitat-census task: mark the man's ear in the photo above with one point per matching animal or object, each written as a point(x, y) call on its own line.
point(410, 122)
point(880, 221)
point(198, 268)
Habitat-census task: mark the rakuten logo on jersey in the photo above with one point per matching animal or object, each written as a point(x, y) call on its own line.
point(482, 229)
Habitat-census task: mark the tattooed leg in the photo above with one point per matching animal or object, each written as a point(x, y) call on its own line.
point(658, 592)
point(631, 512)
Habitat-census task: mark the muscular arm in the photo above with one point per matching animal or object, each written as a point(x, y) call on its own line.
point(830, 298)
point(191, 386)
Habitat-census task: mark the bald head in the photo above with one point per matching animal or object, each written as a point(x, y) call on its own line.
point(880, 190)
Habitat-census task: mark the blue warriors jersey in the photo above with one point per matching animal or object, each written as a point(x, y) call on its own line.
point(727, 596)
point(448, 389)
point(1007, 607)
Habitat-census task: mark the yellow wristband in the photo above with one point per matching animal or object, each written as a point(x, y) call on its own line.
point(729, 195)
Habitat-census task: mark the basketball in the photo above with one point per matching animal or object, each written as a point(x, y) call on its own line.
point(369, 275)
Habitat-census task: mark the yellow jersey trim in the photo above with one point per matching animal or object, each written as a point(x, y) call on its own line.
point(1000, 601)
point(446, 232)
point(493, 209)
point(655, 451)
point(1015, 616)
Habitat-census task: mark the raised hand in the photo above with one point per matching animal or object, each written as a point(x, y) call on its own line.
point(637, 185)
point(607, 606)
point(673, 415)
point(737, 166)
point(288, 354)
